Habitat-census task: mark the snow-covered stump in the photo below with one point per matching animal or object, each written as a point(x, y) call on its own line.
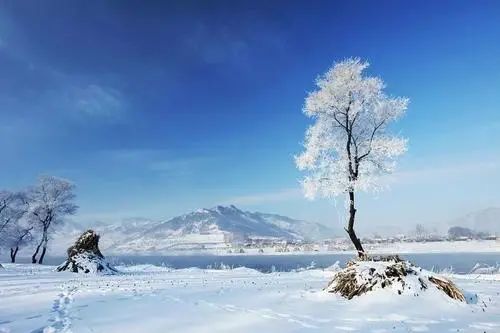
point(85, 257)
point(402, 277)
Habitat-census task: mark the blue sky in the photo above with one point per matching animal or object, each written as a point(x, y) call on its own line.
point(157, 108)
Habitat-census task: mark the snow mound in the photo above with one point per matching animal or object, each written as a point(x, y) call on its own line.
point(87, 263)
point(85, 257)
point(392, 274)
point(144, 268)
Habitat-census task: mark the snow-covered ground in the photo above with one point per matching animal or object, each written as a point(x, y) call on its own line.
point(156, 299)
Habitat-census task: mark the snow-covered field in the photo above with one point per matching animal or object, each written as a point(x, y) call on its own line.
point(156, 299)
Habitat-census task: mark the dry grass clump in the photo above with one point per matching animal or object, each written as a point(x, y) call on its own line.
point(371, 273)
point(87, 242)
point(448, 288)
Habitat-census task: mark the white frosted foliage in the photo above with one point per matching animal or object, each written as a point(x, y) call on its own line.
point(348, 147)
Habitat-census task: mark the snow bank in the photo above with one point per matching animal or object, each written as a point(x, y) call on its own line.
point(143, 269)
point(237, 300)
point(87, 263)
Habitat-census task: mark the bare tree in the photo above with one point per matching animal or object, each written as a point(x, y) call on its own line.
point(49, 202)
point(348, 146)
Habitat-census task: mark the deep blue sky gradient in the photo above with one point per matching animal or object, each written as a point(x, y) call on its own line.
point(157, 108)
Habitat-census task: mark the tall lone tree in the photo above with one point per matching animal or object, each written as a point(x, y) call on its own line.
point(50, 201)
point(348, 147)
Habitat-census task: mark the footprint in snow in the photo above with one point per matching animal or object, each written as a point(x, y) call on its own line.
point(60, 321)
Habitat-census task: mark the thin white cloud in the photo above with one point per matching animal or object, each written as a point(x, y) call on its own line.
point(443, 172)
point(424, 175)
point(97, 101)
point(155, 160)
point(84, 101)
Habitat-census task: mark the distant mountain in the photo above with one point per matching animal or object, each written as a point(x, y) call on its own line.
point(215, 227)
point(308, 230)
point(111, 233)
point(485, 220)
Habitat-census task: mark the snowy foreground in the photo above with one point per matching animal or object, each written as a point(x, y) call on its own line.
point(156, 299)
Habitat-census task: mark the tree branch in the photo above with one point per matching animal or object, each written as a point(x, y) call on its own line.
point(375, 129)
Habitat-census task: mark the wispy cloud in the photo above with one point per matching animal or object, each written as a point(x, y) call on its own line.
point(83, 101)
point(97, 101)
point(443, 172)
point(46, 90)
point(155, 160)
point(266, 197)
point(408, 177)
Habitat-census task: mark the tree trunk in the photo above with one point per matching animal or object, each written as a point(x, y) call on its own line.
point(33, 257)
point(40, 261)
point(13, 254)
point(350, 226)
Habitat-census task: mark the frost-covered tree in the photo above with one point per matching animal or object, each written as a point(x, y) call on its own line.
point(20, 235)
point(12, 209)
point(349, 146)
point(421, 232)
point(8, 209)
point(15, 230)
point(49, 202)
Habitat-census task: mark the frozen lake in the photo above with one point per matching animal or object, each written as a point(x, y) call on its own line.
point(460, 263)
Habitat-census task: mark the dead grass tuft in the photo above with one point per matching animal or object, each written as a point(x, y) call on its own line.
point(367, 274)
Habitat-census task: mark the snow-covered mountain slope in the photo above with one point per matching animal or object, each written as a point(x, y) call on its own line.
point(218, 226)
point(308, 230)
point(486, 220)
point(215, 227)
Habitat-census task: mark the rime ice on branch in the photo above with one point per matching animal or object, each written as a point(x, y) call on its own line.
point(348, 147)
point(49, 202)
